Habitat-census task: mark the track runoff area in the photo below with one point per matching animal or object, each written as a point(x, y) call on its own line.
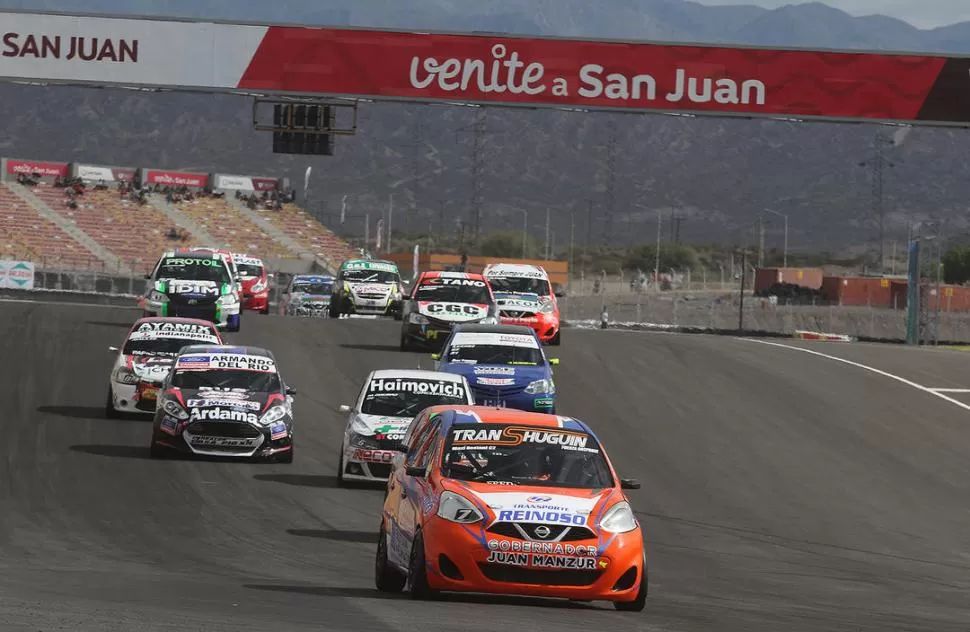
point(785, 486)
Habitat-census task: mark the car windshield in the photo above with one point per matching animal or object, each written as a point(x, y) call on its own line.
point(520, 285)
point(522, 455)
point(371, 276)
point(249, 270)
point(406, 397)
point(487, 352)
point(159, 346)
point(444, 291)
point(257, 381)
point(306, 287)
point(193, 269)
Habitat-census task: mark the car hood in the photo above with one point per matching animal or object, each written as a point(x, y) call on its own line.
point(228, 405)
point(539, 504)
point(370, 425)
point(150, 368)
point(311, 298)
point(453, 312)
point(490, 375)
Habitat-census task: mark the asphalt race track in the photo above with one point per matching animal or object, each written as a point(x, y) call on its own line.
point(781, 490)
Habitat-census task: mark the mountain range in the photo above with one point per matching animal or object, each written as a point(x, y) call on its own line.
point(718, 175)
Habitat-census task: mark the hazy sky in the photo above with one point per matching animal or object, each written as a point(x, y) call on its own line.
point(920, 13)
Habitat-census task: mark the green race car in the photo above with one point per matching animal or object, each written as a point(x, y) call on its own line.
point(367, 287)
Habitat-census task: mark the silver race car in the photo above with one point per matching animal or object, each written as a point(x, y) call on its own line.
point(389, 400)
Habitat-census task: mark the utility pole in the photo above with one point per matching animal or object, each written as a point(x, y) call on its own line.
point(610, 179)
point(572, 238)
point(478, 129)
point(878, 163)
point(390, 215)
point(656, 266)
point(744, 268)
point(367, 231)
point(761, 241)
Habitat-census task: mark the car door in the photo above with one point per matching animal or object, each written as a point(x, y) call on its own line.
point(409, 494)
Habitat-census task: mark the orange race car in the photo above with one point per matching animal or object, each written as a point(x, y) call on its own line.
point(496, 500)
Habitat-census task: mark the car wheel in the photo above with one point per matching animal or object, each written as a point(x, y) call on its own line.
point(640, 601)
point(333, 312)
point(406, 343)
point(265, 310)
point(109, 407)
point(341, 481)
point(418, 571)
point(286, 457)
point(156, 451)
point(555, 339)
point(388, 579)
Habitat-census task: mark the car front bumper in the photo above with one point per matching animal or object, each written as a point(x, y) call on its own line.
point(236, 440)
point(466, 558)
point(134, 398)
point(542, 403)
point(221, 315)
point(366, 463)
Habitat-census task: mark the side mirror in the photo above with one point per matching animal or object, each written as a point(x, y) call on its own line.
point(290, 390)
point(413, 470)
point(148, 276)
point(113, 349)
point(270, 275)
point(560, 294)
point(344, 408)
point(554, 361)
point(629, 483)
point(435, 356)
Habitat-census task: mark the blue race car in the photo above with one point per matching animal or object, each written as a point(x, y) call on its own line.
point(504, 364)
point(307, 295)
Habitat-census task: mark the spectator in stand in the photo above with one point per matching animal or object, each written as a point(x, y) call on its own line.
point(173, 233)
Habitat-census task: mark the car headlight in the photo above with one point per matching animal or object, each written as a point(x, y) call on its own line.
point(547, 308)
point(457, 508)
point(543, 387)
point(417, 319)
point(363, 441)
point(125, 376)
point(272, 415)
point(174, 409)
point(157, 297)
point(489, 320)
point(258, 287)
point(619, 519)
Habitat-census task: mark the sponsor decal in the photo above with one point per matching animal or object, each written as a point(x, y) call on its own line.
point(421, 387)
point(226, 402)
point(544, 402)
point(500, 340)
point(373, 456)
point(277, 431)
point(92, 173)
point(494, 370)
point(239, 362)
point(538, 499)
point(246, 260)
point(495, 381)
point(224, 442)
point(517, 435)
point(544, 548)
point(389, 432)
point(169, 425)
point(80, 47)
point(192, 261)
point(369, 265)
point(174, 178)
point(455, 309)
point(510, 272)
point(544, 516)
point(149, 393)
point(155, 330)
point(45, 169)
point(17, 274)
point(221, 414)
point(194, 361)
point(193, 287)
point(543, 561)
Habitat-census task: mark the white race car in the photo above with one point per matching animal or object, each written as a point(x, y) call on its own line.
point(146, 359)
point(389, 400)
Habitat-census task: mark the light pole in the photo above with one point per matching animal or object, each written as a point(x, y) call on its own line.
point(525, 229)
point(785, 217)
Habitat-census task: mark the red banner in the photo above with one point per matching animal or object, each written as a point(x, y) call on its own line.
point(45, 169)
point(265, 184)
point(598, 75)
point(175, 179)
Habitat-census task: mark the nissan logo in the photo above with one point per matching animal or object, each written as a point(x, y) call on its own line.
point(542, 531)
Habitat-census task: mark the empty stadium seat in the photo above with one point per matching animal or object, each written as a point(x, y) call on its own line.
point(302, 228)
point(233, 230)
point(26, 235)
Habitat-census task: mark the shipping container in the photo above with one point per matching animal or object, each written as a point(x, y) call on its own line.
point(956, 298)
point(858, 291)
point(764, 278)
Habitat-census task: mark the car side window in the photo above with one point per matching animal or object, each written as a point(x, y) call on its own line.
point(412, 438)
point(429, 445)
point(419, 442)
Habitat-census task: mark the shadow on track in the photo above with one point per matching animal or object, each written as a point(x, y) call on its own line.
point(373, 593)
point(366, 537)
point(75, 412)
point(121, 451)
point(392, 348)
point(105, 323)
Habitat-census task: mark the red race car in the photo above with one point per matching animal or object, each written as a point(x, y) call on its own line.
point(255, 282)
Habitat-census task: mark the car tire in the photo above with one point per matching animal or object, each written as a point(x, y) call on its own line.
point(640, 601)
point(265, 310)
point(554, 342)
point(333, 311)
point(387, 578)
point(406, 344)
point(341, 481)
point(109, 408)
point(156, 451)
point(417, 581)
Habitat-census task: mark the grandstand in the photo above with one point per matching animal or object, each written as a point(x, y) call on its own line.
point(26, 235)
point(130, 215)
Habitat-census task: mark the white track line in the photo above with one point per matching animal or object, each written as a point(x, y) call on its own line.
point(950, 390)
point(919, 387)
